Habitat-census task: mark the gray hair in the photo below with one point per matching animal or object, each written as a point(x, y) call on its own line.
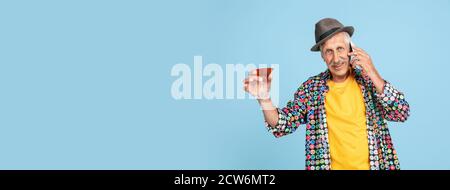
point(347, 39)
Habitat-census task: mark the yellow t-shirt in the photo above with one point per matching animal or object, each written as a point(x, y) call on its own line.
point(346, 121)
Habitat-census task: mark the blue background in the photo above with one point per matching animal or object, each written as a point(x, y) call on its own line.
point(86, 84)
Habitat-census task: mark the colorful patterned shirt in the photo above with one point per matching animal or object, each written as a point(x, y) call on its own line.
point(308, 107)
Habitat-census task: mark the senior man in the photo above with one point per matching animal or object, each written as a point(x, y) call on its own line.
point(345, 108)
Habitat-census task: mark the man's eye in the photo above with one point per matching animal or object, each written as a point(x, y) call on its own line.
point(328, 51)
point(340, 48)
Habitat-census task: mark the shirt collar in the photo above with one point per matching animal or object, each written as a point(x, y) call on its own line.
point(326, 75)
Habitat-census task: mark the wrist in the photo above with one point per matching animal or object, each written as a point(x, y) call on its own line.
point(266, 104)
point(378, 82)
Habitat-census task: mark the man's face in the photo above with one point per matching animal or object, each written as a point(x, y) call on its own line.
point(335, 54)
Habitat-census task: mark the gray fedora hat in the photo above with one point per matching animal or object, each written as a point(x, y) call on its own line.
point(326, 28)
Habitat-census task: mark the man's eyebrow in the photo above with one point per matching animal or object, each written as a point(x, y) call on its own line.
point(338, 46)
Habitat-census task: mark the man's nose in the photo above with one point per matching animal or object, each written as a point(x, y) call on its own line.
point(336, 58)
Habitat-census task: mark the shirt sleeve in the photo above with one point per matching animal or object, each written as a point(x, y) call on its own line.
point(394, 105)
point(291, 116)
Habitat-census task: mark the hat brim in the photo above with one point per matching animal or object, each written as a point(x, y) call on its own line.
point(348, 29)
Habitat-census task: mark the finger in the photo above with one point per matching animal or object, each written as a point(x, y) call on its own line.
point(256, 78)
point(361, 54)
point(252, 78)
point(356, 53)
point(352, 54)
point(355, 61)
point(361, 65)
point(352, 63)
point(361, 51)
point(362, 60)
point(358, 49)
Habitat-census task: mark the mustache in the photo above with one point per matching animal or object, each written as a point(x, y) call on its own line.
point(341, 60)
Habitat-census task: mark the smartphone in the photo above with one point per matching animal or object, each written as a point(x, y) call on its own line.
point(350, 57)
